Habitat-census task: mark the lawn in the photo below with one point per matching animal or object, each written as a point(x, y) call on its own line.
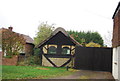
point(32, 72)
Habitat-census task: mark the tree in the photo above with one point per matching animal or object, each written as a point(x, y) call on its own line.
point(44, 31)
point(92, 44)
point(12, 43)
point(86, 37)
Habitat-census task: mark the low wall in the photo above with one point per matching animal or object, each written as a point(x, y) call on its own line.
point(10, 61)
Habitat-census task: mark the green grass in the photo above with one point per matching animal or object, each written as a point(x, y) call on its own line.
point(32, 72)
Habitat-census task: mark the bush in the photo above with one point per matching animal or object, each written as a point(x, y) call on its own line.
point(35, 59)
point(38, 56)
point(8, 56)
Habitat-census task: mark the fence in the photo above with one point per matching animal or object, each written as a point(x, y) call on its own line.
point(92, 58)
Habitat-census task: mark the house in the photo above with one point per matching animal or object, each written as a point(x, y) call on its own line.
point(58, 49)
point(29, 45)
point(116, 43)
point(28, 48)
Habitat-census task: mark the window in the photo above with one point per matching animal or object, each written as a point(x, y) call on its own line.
point(65, 50)
point(52, 50)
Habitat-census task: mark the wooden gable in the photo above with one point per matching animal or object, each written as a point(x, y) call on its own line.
point(59, 37)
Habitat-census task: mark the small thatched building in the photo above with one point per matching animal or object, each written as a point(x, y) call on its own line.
point(58, 49)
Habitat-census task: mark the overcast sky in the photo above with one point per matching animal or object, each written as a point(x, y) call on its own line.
point(81, 15)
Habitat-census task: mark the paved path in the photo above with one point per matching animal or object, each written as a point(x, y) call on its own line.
point(86, 74)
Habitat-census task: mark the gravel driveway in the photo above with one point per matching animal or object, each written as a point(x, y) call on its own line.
point(87, 74)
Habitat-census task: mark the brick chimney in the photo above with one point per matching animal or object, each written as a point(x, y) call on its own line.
point(10, 28)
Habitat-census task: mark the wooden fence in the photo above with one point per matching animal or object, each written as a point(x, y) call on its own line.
point(92, 58)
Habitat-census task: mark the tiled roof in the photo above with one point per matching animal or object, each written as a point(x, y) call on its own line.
point(26, 37)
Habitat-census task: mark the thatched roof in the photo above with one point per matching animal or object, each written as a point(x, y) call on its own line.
point(60, 29)
point(56, 31)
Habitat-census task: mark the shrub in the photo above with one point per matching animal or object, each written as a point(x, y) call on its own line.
point(8, 56)
point(38, 56)
point(35, 59)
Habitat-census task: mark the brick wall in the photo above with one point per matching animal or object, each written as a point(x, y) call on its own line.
point(14, 59)
point(10, 61)
point(29, 49)
point(116, 30)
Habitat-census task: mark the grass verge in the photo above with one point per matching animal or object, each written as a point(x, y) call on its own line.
point(33, 72)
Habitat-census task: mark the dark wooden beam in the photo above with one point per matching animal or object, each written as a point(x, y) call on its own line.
point(58, 55)
point(46, 56)
point(50, 61)
point(66, 63)
point(72, 49)
point(45, 48)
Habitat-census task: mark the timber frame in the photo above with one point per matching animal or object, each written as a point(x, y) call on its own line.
point(59, 45)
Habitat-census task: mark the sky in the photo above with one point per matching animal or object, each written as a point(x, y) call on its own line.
point(79, 15)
